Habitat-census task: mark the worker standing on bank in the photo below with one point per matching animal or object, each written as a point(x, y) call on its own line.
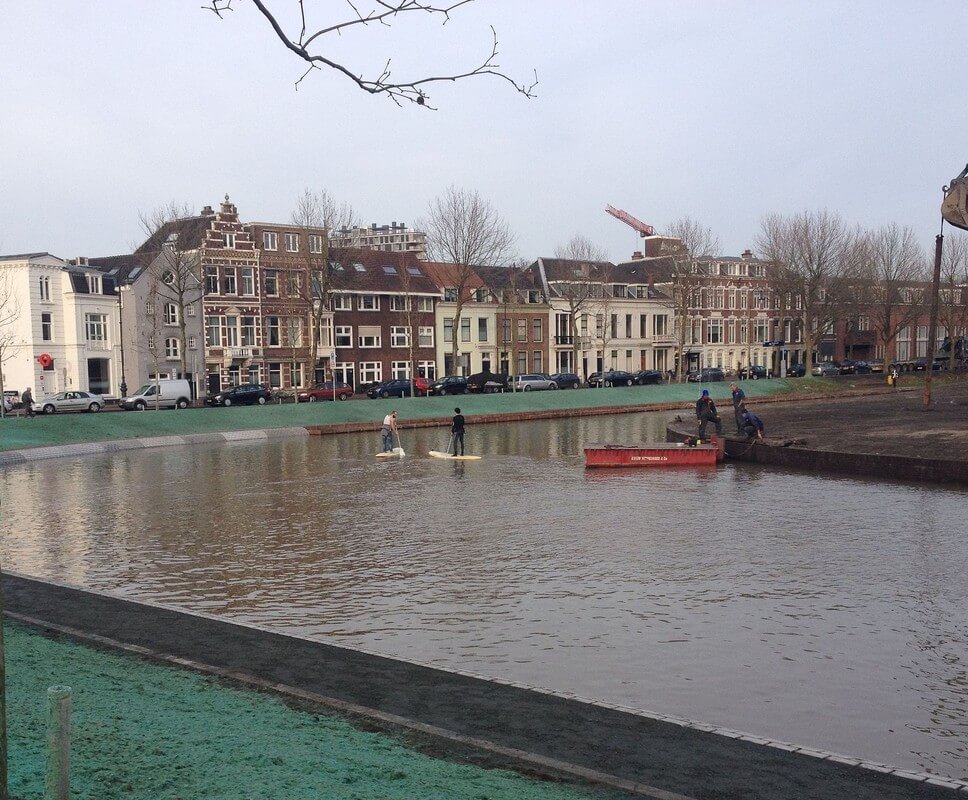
point(706, 413)
point(739, 405)
point(457, 431)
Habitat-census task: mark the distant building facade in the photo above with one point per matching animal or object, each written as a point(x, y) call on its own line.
point(392, 238)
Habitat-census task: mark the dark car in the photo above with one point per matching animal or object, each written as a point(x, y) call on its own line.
point(450, 384)
point(753, 372)
point(486, 382)
point(646, 376)
point(614, 377)
point(325, 391)
point(566, 380)
point(706, 375)
point(796, 370)
point(245, 394)
point(398, 387)
point(825, 369)
point(921, 365)
point(850, 367)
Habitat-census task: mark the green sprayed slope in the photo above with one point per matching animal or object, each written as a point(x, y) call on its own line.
point(144, 731)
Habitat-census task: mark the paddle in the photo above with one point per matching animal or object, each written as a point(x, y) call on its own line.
point(399, 448)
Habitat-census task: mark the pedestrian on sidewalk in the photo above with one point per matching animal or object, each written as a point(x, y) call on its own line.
point(457, 431)
point(386, 432)
point(739, 405)
point(706, 413)
point(27, 401)
point(895, 376)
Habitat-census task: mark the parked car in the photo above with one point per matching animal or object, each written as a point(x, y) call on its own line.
point(877, 365)
point(566, 380)
point(398, 387)
point(825, 369)
point(422, 384)
point(163, 393)
point(614, 377)
point(11, 399)
point(449, 384)
point(70, 401)
point(851, 367)
point(706, 375)
point(796, 370)
point(921, 365)
point(241, 395)
point(533, 381)
point(646, 376)
point(487, 382)
point(752, 372)
point(325, 391)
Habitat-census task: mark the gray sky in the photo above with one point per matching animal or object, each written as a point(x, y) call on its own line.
point(725, 111)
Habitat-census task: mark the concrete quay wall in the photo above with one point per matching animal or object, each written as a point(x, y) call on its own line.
point(529, 728)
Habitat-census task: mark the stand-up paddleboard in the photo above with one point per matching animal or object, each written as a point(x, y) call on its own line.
point(438, 454)
point(396, 452)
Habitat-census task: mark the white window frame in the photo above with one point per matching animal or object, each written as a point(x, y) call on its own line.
point(368, 302)
point(247, 281)
point(315, 243)
point(399, 336)
point(44, 282)
point(425, 304)
point(270, 240)
point(172, 348)
point(342, 302)
point(230, 241)
point(425, 336)
point(96, 327)
point(344, 332)
point(369, 337)
point(171, 314)
point(370, 372)
point(400, 369)
point(398, 303)
point(292, 242)
point(427, 369)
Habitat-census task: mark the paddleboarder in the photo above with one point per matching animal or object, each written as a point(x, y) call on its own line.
point(388, 430)
point(457, 431)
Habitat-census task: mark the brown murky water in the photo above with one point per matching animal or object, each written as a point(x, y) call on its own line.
point(825, 611)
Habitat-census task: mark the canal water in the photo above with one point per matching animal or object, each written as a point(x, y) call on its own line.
point(825, 611)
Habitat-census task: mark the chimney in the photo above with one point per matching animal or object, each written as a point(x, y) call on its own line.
point(637, 255)
point(81, 261)
point(207, 212)
point(747, 254)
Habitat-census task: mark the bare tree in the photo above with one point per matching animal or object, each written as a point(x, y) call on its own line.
point(307, 44)
point(316, 212)
point(601, 305)
point(9, 341)
point(954, 295)
point(149, 339)
point(699, 242)
point(815, 258)
point(465, 230)
point(893, 263)
point(578, 291)
point(175, 271)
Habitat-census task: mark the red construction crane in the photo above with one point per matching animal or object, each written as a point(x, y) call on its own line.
point(643, 229)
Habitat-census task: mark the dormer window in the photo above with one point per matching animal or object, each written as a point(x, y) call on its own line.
point(94, 284)
point(359, 267)
point(450, 295)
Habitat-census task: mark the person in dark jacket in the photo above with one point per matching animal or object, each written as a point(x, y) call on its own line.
point(739, 405)
point(706, 413)
point(752, 425)
point(27, 402)
point(457, 429)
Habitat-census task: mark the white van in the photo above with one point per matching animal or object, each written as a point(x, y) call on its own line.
point(164, 393)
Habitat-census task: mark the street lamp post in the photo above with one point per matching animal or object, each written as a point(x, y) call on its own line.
point(124, 385)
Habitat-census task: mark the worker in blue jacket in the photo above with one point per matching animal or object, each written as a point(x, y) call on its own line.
point(752, 425)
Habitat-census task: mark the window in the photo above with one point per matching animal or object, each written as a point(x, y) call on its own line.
point(275, 374)
point(344, 336)
point(427, 369)
point(315, 243)
point(506, 325)
point(292, 242)
point(359, 267)
point(172, 348)
point(613, 326)
point(213, 332)
point(294, 331)
point(295, 374)
point(922, 343)
point(450, 294)
point(230, 241)
point(482, 329)
point(96, 326)
point(369, 336)
point(295, 281)
point(151, 344)
point(248, 281)
point(211, 280)
point(45, 288)
point(388, 270)
point(149, 308)
point(272, 283)
point(400, 369)
point(270, 241)
point(425, 304)
point(371, 372)
point(398, 303)
point(522, 362)
point(190, 310)
point(660, 325)
point(425, 336)
point(94, 284)
point(537, 332)
point(465, 329)
point(399, 337)
point(171, 314)
point(192, 343)
point(231, 331)
point(534, 296)
point(536, 361)
point(46, 327)
point(628, 326)
point(248, 331)
point(341, 302)
point(863, 323)
point(714, 331)
point(272, 331)
point(369, 302)
point(448, 330)
point(523, 331)
point(231, 286)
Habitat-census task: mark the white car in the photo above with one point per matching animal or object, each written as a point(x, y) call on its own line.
point(69, 401)
point(534, 381)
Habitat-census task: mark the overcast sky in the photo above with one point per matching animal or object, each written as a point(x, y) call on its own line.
point(725, 111)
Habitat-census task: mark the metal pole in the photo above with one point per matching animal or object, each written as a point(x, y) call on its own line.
point(933, 323)
point(3, 707)
point(57, 782)
point(124, 385)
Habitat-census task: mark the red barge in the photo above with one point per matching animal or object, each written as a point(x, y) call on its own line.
point(654, 454)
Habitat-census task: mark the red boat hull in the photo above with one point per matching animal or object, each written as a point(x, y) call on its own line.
point(658, 454)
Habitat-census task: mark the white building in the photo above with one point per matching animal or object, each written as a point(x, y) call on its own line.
point(393, 238)
point(59, 328)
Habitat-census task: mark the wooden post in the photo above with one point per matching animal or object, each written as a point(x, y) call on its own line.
point(57, 782)
point(932, 324)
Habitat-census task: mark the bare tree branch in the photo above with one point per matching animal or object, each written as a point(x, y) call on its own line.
point(383, 12)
